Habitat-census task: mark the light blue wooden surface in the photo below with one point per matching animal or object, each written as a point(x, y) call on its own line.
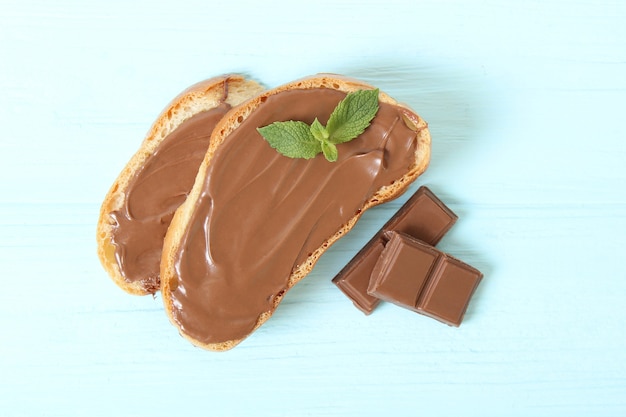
point(526, 103)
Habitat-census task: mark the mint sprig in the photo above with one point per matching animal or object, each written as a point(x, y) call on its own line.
point(348, 120)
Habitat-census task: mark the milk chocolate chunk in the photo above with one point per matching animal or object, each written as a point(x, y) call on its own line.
point(355, 277)
point(423, 216)
point(401, 271)
point(449, 291)
point(415, 275)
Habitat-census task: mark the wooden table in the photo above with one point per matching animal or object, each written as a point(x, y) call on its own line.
point(525, 102)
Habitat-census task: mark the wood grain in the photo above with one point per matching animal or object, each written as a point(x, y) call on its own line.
point(524, 101)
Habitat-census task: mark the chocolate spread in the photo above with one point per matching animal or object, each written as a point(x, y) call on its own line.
point(261, 214)
point(155, 192)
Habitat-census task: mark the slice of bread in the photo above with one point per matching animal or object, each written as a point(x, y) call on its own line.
point(186, 215)
point(220, 92)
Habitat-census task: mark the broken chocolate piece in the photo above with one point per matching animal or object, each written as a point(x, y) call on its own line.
point(423, 216)
point(415, 275)
point(401, 271)
point(355, 277)
point(449, 292)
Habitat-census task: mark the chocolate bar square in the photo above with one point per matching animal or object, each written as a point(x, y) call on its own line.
point(401, 272)
point(449, 291)
point(415, 275)
point(355, 277)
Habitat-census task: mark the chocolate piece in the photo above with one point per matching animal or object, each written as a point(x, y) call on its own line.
point(415, 275)
point(449, 291)
point(355, 277)
point(423, 216)
point(401, 271)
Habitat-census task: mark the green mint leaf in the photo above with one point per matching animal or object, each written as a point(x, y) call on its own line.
point(352, 115)
point(292, 139)
point(348, 120)
point(319, 131)
point(330, 151)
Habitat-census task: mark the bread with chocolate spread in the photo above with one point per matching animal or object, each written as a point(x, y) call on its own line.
point(141, 202)
point(256, 222)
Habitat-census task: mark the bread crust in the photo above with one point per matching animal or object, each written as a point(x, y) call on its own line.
point(227, 125)
point(205, 95)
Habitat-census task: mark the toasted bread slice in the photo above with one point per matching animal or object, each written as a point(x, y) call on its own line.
point(134, 217)
point(255, 222)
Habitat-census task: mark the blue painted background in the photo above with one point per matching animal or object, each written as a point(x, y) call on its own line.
point(525, 102)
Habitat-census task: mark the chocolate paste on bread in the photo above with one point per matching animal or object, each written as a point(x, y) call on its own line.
point(256, 222)
point(138, 209)
point(155, 193)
